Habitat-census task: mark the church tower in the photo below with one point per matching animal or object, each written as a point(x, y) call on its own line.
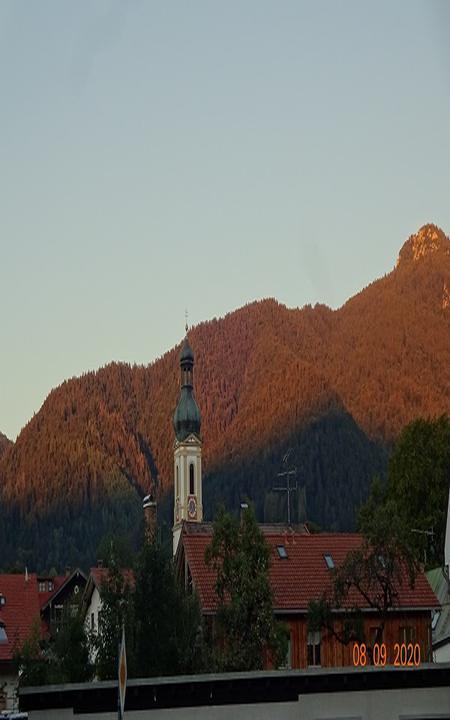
point(187, 450)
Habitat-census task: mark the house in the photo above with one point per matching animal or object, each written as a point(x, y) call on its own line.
point(440, 623)
point(92, 598)
point(301, 563)
point(19, 613)
point(57, 594)
point(300, 570)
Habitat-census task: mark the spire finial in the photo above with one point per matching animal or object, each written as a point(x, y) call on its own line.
point(186, 327)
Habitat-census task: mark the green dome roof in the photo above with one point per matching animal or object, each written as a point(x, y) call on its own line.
point(186, 352)
point(186, 419)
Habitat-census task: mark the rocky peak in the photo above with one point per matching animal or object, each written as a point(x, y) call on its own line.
point(428, 240)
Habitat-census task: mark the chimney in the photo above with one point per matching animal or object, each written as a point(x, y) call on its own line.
point(244, 507)
point(99, 563)
point(67, 570)
point(150, 518)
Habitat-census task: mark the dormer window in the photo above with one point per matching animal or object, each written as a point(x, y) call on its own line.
point(329, 561)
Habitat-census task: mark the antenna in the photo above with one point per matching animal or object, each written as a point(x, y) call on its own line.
point(288, 488)
point(428, 533)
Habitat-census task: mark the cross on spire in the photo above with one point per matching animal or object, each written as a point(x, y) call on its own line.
point(186, 320)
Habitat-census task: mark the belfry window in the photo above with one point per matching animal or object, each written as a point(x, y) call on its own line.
point(177, 484)
point(191, 479)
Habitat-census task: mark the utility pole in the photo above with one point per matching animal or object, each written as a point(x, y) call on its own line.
point(288, 488)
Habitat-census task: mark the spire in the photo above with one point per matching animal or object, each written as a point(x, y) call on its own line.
point(188, 505)
point(187, 418)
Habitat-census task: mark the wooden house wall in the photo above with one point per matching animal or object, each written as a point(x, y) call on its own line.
point(335, 654)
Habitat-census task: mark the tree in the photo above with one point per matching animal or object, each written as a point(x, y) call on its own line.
point(69, 650)
point(115, 548)
point(371, 575)
point(168, 624)
point(117, 610)
point(30, 658)
point(418, 485)
point(54, 660)
point(247, 632)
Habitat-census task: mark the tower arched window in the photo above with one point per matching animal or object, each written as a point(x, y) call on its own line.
point(191, 479)
point(177, 484)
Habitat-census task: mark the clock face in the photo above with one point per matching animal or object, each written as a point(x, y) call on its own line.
point(192, 507)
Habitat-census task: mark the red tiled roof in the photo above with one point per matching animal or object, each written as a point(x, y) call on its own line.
point(20, 611)
point(302, 576)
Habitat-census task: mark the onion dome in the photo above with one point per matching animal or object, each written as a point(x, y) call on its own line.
point(187, 419)
point(186, 352)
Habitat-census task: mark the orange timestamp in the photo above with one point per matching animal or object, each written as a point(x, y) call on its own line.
point(402, 655)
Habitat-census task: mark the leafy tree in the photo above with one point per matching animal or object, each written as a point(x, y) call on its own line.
point(246, 628)
point(60, 659)
point(117, 610)
point(370, 575)
point(30, 658)
point(418, 485)
point(168, 624)
point(68, 652)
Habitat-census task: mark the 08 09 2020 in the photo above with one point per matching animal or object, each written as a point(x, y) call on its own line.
point(400, 655)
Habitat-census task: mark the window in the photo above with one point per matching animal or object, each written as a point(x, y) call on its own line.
point(329, 561)
point(282, 552)
point(407, 635)
point(191, 479)
point(92, 621)
point(42, 586)
point(50, 585)
point(3, 635)
point(177, 490)
point(287, 664)
point(57, 616)
point(376, 635)
point(435, 619)
point(314, 647)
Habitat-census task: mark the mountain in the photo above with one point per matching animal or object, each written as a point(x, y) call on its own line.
point(334, 387)
point(4, 443)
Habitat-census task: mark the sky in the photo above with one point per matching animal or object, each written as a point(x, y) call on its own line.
point(157, 156)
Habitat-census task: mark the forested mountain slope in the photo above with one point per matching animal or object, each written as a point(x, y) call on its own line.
point(335, 386)
point(4, 442)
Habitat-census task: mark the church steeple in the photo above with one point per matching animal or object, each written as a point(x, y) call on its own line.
point(187, 450)
point(186, 419)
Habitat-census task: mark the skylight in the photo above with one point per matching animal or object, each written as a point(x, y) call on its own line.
point(329, 561)
point(282, 552)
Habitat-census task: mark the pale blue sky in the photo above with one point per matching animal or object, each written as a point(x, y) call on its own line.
point(158, 155)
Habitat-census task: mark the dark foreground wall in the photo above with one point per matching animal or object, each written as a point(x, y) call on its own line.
point(360, 694)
